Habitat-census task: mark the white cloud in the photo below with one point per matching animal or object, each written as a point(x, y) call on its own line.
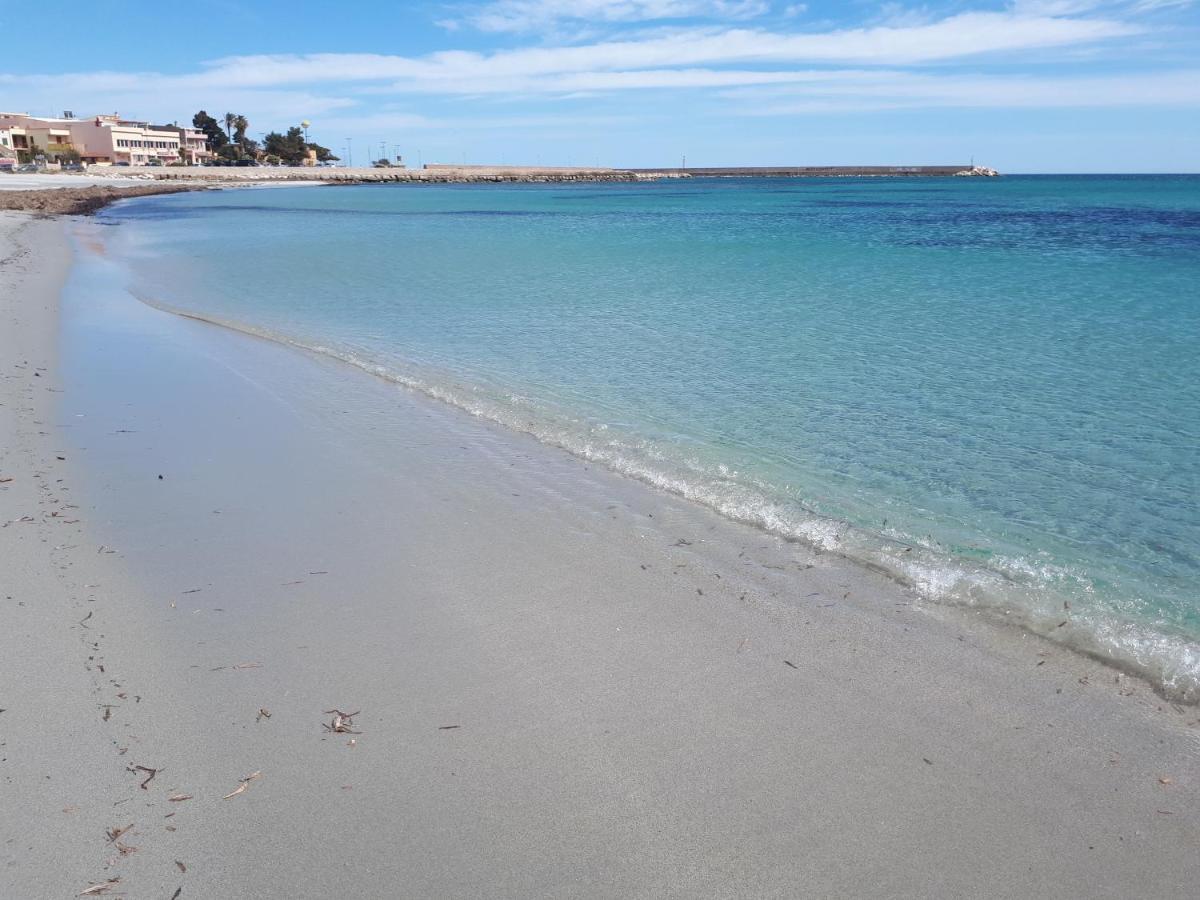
point(542, 15)
point(455, 71)
point(859, 91)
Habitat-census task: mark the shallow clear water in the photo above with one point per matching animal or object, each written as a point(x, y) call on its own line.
point(989, 388)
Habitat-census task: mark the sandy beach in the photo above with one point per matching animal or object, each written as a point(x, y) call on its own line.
point(561, 683)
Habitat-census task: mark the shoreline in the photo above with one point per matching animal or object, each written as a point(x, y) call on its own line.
point(1155, 669)
point(638, 710)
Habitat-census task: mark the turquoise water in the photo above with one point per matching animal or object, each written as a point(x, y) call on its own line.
point(990, 388)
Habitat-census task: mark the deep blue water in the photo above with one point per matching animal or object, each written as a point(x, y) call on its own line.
point(990, 387)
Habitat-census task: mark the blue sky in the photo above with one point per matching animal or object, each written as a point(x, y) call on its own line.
point(1023, 85)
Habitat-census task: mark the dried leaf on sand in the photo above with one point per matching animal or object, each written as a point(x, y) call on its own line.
point(101, 888)
point(245, 783)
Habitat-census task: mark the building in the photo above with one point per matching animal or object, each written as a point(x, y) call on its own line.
point(32, 137)
point(193, 145)
point(8, 156)
point(111, 140)
point(103, 140)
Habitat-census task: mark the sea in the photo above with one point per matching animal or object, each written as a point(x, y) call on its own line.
point(986, 388)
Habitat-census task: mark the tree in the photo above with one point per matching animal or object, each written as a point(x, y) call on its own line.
point(240, 124)
point(217, 138)
point(289, 147)
point(323, 153)
point(230, 119)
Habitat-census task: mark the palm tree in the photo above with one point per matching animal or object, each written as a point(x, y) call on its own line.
point(230, 118)
point(240, 124)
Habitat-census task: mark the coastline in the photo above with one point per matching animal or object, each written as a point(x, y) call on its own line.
point(651, 700)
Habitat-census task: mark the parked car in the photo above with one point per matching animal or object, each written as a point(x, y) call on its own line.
point(154, 162)
point(121, 163)
point(246, 162)
point(26, 169)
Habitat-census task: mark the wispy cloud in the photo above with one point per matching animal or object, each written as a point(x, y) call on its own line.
point(872, 90)
point(958, 37)
point(544, 15)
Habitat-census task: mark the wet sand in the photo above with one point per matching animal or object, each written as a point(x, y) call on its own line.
point(566, 683)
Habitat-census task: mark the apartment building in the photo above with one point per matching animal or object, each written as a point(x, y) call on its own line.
point(30, 137)
point(103, 139)
point(111, 140)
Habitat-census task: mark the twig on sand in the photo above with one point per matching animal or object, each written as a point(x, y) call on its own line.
point(263, 713)
point(115, 832)
point(178, 891)
point(178, 798)
point(149, 777)
point(341, 722)
point(245, 783)
point(182, 867)
point(102, 888)
point(448, 727)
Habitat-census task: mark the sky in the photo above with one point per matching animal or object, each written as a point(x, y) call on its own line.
point(1021, 85)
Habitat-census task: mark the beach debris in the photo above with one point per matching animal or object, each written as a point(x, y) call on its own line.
point(788, 662)
point(341, 723)
point(247, 666)
point(182, 867)
point(927, 760)
point(243, 784)
point(5, 480)
point(263, 713)
point(160, 478)
point(320, 572)
point(290, 583)
point(1166, 780)
point(448, 727)
point(178, 798)
point(192, 591)
point(85, 618)
point(682, 543)
point(149, 776)
point(116, 831)
point(352, 743)
point(102, 888)
point(178, 891)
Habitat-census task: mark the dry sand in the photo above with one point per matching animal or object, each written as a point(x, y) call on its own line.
point(569, 684)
